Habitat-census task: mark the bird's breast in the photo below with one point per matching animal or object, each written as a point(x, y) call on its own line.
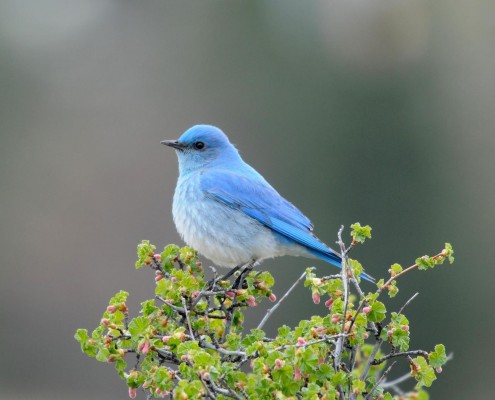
point(223, 234)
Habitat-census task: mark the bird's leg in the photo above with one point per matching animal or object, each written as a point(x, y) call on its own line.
point(212, 282)
point(230, 273)
point(246, 269)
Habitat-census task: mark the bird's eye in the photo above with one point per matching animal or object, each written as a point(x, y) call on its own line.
point(199, 145)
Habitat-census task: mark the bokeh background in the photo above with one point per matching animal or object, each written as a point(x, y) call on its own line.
point(379, 111)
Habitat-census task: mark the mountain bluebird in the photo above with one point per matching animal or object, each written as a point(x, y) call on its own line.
point(228, 212)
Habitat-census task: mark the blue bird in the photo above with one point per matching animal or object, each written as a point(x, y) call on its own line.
point(227, 211)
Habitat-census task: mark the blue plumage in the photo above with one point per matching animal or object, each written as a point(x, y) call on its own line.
point(229, 212)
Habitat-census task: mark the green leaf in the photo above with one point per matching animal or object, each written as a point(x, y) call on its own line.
point(148, 307)
point(360, 233)
point(450, 252)
point(145, 251)
point(422, 372)
point(395, 269)
point(378, 312)
point(81, 335)
point(438, 357)
point(138, 325)
point(425, 262)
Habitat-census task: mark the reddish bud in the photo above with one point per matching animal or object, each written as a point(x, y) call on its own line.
point(157, 257)
point(251, 301)
point(173, 279)
point(105, 321)
point(335, 318)
point(146, 347)
point(300, 341)
point(329, 303)
point(278, 364)
point(195, 294)
point(158, 278)
point(405, 327)
point(111, 309)
point(438, 369)
point(366, 335)
point(316, 297)
point(390, 332)
point(183, 358)
point(132, 392)
point(230, 294)
point(166, 338)
point(367, 310)
point(272, 297)
point(297, 374)
point(111, 358)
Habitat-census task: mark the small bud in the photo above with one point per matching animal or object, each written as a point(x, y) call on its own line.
point(251, 301)
point(195, 294)
point(132, 392)
point(206, 376)
point(367, 310)
point(335, 318)
point(105, 321)
point(390, 332)
point(272, 297)
point(111, 309)
point(278, 364)
point(329, 303)
point(230, 294)
point(157, 257)
point(405, 327)
point(316, 297)
point(297, 374)
point(300, 341)
point(158, 278)
point(146, 347)
point(183, 358)
point(366, 335)
point(123, 308)
point(173, 279)
point(111, 358)
point(438, 369)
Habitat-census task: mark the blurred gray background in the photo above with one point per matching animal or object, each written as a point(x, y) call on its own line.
point(374, 111)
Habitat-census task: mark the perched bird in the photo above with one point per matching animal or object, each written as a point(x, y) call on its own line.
point(227, 211)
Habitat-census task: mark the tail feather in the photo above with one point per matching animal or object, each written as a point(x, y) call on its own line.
point(335, 259)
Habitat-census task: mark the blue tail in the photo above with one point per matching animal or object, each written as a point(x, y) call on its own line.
point(334, 259)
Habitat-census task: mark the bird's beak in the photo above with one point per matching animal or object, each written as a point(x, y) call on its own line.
point(173, 143)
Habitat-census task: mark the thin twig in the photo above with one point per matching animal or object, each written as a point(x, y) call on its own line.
point(407, 302)
point(379, 380)
point(366, 369)
point(270, 311)
point(401, 354)
point(405, 271)
point(187, 318)
point(340, 341)
point(405, 377)
point(326, 339)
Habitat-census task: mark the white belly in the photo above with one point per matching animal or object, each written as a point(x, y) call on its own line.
point(226, 236)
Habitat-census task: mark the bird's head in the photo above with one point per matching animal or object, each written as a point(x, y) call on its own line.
point(202, 146)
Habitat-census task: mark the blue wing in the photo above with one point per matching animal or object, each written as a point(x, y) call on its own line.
point(257, 199)
point(251, 194)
